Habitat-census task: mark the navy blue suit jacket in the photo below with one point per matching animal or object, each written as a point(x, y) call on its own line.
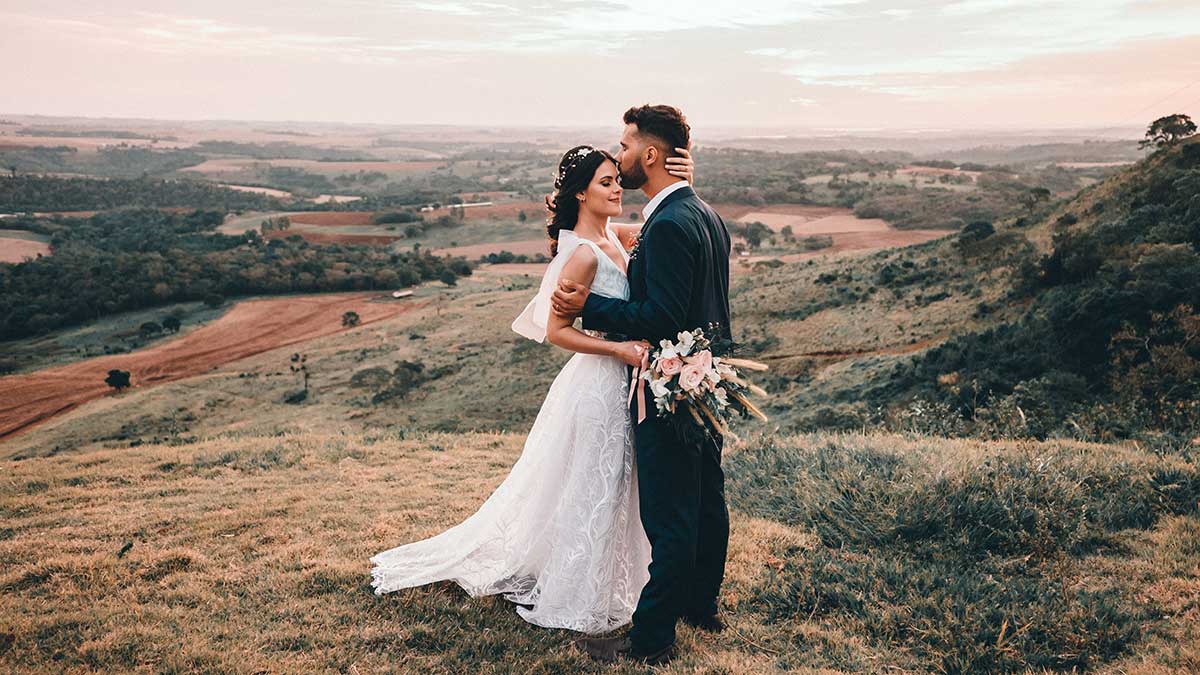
point(678, 276)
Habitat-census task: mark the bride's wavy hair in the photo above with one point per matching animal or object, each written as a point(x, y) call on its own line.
point(575, 171)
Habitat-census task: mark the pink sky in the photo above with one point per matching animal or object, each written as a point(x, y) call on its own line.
point(851, 64)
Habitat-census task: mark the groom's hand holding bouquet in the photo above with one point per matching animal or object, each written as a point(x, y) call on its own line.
point(686, 375)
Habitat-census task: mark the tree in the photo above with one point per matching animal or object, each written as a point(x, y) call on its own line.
point(448, 277)
point(521, 216)
point(350, 319)
point(976, 231)
point(297, 365)
point(1167, 131)
point(756, 233)
point(171, 323)
point(117, 379)
point(1035, 196)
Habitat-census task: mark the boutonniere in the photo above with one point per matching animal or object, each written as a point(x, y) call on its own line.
point(636, 245)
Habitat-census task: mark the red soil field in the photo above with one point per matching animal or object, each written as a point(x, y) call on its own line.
point(333, 218)
point(474, 251)
point(332, 238)
point(533, 210)
point(249, 328)
point(16, 250)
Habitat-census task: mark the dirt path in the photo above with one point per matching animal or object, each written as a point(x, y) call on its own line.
point(251, 327)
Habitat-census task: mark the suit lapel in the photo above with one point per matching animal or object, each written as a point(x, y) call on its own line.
point(678, 194)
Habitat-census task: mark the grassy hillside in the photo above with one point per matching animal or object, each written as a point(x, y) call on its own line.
point(1076, 319)
point(205, 524)
point(249, 552)
point(947, 337)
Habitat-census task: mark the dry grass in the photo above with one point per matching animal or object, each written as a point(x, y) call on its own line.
point(250, 554)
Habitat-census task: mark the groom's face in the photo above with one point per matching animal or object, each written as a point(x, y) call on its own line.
point(629, 159)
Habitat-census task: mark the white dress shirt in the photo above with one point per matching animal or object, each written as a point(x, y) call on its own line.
point(649, 208)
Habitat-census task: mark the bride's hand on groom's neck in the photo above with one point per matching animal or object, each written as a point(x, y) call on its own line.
point(682, 166)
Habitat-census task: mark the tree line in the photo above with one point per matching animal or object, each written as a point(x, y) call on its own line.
point(130, 259)
point(24, 193)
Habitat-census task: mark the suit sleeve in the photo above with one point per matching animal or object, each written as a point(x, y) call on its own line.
point(669, 275)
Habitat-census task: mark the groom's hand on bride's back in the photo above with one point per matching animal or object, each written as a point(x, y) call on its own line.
point(568, 298)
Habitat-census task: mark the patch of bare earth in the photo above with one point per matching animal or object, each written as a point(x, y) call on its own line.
point(15, 250)
point(528, 247)
point(248, 328)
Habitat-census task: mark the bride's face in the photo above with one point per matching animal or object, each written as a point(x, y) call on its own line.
point(603, 194)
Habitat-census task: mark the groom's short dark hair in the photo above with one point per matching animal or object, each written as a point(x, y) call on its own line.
point(664, 123)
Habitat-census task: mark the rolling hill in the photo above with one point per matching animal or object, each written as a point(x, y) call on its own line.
point(205, 524)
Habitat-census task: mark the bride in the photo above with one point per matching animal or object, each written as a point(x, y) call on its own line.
point(562, 536)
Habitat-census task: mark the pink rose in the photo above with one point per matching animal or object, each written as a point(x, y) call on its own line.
point(691, 377)
point(702, 359)
point(671, 366)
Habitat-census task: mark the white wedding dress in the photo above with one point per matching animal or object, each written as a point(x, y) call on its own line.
point(562, 535)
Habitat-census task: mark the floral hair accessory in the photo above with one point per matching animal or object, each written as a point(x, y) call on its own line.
point(575, 158)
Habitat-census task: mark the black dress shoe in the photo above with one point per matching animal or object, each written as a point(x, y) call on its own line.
point(610, 649)
point(711, 623)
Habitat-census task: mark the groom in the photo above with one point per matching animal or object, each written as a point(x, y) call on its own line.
point(678, 281)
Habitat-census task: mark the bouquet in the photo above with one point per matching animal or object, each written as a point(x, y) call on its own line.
point(697, 390)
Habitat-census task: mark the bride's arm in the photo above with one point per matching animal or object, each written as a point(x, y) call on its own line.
point(561, 332)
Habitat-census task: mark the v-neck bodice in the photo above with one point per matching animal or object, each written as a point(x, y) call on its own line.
point(611, 281)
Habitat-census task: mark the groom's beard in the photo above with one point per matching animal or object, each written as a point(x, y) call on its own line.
point(635, 178)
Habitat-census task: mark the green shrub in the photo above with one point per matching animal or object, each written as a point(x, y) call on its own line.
point(966, 558)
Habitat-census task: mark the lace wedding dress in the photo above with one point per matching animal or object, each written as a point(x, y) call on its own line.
point(562, 534)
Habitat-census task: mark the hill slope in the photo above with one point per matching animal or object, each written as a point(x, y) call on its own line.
point(1029, 330)
point(1024, 328)
point(250, 521)
point(247, 552)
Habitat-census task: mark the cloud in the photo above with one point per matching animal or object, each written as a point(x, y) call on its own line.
point(817, 61)
point(968, 36)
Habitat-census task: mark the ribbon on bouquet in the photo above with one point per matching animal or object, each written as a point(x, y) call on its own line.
point(635, 383)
